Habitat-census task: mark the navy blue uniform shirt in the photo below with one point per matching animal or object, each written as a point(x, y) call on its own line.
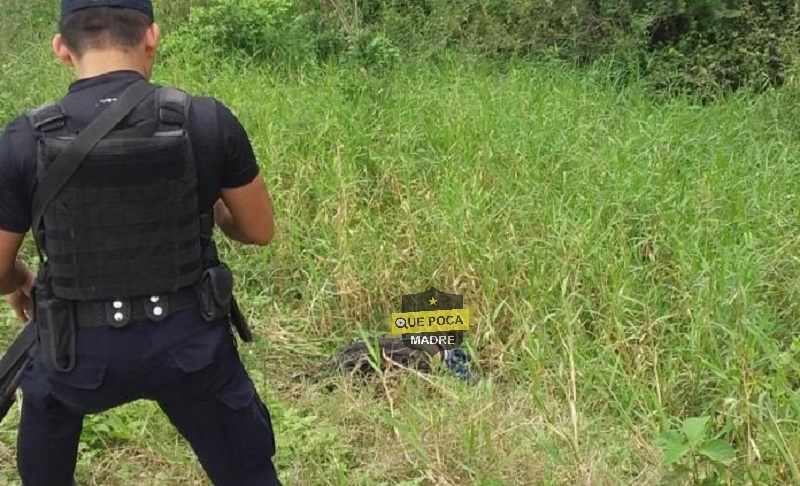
point(223, 153)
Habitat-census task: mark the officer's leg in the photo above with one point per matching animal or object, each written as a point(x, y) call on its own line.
point(53, 408)
point(47, 443)
point(231, 431)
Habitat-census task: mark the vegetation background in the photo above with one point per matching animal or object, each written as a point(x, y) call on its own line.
point(611, 184)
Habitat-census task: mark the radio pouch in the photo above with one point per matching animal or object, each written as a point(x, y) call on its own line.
point(56, 326)
point(215, 292)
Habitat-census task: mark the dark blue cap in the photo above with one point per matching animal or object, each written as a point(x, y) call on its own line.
point(69, 6)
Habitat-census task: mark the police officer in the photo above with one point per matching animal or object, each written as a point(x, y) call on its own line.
point(121, 183)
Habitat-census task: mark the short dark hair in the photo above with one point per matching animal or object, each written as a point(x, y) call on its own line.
point(103, 27)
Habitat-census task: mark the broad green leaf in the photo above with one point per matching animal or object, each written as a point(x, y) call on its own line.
point(667, 437)
point(672, 445)
point(717, 450)
point(695, 429)
point(675, 452)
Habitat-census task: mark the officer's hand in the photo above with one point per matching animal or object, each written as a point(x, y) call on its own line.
point(20, 300)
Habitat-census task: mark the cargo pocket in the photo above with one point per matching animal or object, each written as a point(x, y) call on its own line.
point(88, 374)
point(79, 389)
point(197, 353)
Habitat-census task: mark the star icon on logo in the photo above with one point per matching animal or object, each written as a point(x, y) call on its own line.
point(432, 301)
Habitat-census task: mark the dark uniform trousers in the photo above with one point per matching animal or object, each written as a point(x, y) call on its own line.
point(190, 367)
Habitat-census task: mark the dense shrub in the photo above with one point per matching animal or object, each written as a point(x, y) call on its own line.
point(712, 47)
point(258, 29)
point(705, 46)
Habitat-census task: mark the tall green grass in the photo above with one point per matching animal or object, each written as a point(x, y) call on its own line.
point(630, 265)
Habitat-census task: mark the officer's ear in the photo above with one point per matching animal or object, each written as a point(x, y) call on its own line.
point(62, 52)
point(151, 38)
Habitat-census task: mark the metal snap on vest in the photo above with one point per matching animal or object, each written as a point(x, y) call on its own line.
point(155, 299)
point(117, 304)
point(119, 316)
point(158, 311)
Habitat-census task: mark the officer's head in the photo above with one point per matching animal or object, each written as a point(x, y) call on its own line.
point(90, 30)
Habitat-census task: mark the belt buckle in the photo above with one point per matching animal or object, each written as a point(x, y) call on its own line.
point(118, 313)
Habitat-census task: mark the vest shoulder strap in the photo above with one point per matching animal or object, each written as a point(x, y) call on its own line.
point(172, 106)
point(172, 109)
point(48, 117)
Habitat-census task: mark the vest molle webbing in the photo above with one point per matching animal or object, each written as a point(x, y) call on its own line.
point(127, 223)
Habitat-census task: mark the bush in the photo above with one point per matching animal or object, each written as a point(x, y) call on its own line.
point(702, 46)
point(709, 47)
point(257, 29)
point(678, 46)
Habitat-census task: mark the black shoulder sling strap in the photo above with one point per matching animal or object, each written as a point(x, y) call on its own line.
point(71, 157)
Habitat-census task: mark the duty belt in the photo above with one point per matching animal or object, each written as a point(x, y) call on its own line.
point(122, 312)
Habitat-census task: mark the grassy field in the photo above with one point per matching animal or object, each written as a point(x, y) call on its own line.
point(631, 265)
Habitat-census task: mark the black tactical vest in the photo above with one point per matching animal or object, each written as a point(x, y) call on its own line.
point(127, 223)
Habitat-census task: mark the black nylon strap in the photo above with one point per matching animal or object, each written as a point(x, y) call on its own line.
point(172, 106)
point(71, 157)
point(96, 314)
point(48, 117)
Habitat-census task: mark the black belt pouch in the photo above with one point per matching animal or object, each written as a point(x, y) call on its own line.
point(215, 292)
point(56, 326)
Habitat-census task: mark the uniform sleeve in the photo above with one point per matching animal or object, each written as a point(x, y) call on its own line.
point(241, 166)
point(17, 168)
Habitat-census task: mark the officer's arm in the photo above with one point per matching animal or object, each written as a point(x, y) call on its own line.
point(12, 274)
point(246, 214)
point(17, 153)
